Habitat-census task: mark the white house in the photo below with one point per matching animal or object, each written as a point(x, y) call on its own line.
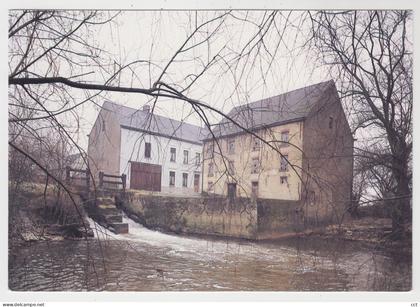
point(156, 153)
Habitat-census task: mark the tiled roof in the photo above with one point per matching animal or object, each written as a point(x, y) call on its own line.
point(156, 124)
point(291, 106)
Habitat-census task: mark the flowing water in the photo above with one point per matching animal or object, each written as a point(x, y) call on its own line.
point(146, 260)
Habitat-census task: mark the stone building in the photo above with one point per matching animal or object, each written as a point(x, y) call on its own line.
point(299, 149)
point(156, 153)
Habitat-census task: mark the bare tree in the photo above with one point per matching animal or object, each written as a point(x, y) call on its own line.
point(370, 52)
point(53, 52)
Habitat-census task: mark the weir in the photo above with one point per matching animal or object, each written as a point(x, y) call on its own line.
point(100, 206)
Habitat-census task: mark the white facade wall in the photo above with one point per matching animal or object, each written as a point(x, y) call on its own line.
point(133, 149)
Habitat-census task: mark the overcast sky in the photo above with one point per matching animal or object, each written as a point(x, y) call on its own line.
point(280, 65)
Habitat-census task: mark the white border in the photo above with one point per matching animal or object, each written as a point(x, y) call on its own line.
point(9, 296)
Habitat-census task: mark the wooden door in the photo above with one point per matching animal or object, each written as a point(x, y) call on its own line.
point(145, 176)
point(196, 183)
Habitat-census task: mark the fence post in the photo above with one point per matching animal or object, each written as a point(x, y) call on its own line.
point(124, 180)
point(68, 174)
point(101, 179)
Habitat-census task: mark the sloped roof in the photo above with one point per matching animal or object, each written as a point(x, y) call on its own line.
point(155, 124)
point(287, 107)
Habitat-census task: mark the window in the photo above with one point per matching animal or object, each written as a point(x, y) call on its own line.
point(210, 150)
point(173, 154)
point(254, 189)
point(255, 167)
point(184, 179)
point(283, 163)
point(285, 138)
point(231, 165)
point(185, 156)
point(283, 180)
point(210, 186)
point(147, 150)
point(197, 158)
point(196, 182)
point(171, 178)
point(330, 122)
point(255, 144)
point(231, 146)
point(211, 169)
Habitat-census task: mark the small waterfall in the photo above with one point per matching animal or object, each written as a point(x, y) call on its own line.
point(176, 243)
point(99, 231)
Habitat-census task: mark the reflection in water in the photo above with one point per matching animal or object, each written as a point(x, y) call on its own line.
point(146, 260)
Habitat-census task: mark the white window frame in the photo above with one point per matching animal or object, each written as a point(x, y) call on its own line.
point(197, 158)
point(185, 180)
point(172, 155)
point(186, 154)
point(172, 184)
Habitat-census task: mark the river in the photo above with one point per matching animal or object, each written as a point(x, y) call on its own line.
point(146, 260)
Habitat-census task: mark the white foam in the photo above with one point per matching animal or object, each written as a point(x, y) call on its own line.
point(180, 245)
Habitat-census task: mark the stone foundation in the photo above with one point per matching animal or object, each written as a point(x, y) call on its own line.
point(196, 215)
point(246, 218)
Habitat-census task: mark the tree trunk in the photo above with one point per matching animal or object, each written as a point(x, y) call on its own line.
point(401, 213)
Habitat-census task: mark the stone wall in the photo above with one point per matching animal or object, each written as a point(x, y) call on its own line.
point(217, 216)
point(193, 215)
point(327, 161)
point(279, 218)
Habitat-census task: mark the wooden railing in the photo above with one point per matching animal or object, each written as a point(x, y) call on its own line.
point(85, 178)
point(102, 179)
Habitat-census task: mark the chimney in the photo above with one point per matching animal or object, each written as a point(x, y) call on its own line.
point(146, 108)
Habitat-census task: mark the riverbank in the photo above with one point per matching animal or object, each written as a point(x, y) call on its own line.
point(370, 232)
point(39, 213)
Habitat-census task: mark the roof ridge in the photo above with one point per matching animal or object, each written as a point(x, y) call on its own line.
point(285, 107)
point(153, 114)
point(284, 93)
